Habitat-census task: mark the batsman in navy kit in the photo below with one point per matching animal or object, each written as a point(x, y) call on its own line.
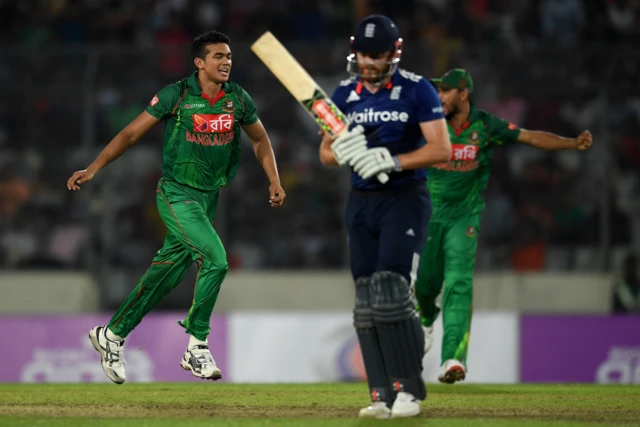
point(398, 128)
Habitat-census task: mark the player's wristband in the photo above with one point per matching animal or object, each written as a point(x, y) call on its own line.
point(396, 165)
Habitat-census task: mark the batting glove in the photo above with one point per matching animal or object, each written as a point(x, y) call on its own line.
point(374, 161)
point(349, 144)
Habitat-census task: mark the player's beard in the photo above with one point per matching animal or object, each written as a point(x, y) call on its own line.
point(374, 75)
point(376, 78)
point(451, 112)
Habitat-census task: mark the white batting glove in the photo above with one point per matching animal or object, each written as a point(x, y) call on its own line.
point(348, 144)
point(374, 161)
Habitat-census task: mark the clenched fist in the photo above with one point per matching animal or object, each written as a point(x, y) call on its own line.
point(584, 140)
point(276, 195)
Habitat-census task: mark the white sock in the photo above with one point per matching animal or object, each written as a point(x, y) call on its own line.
point(112, 337)
point(193, 341)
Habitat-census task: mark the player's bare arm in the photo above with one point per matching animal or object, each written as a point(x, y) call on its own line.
point(264, 153)
point(436, 150)
point(126, 138)
point(551, 141)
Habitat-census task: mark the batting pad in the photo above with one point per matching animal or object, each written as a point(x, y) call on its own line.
point(370, 344)
point(399, 331)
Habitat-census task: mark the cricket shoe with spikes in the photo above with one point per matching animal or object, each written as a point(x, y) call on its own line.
point(452, 371)
point(199, 361)
point(111, 353)
point(377, 410)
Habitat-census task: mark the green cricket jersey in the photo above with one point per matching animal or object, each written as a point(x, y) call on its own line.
point(201, 135)
point(456, 186)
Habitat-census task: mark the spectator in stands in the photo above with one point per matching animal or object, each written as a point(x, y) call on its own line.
point(561, 21)
point(626, 289)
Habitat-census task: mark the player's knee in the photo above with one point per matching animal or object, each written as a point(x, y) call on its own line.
point(362, 317)
point(459, 282)
point(391, 297)
point(212, 261)
point(220, 265)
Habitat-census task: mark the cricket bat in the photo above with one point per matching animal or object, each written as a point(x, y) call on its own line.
point(302, 86)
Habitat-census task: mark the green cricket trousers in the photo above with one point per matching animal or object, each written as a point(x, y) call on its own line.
point(449, 258)
point(188, 214)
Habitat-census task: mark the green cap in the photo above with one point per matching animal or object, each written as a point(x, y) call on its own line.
point(455, 79)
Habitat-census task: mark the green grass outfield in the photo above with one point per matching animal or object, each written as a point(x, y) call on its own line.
point(211, 404)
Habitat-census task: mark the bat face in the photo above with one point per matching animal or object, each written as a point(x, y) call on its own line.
point(327, 115)
point(302, 86)
point(284, 66)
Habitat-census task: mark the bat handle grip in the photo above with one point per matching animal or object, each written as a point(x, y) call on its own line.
point(383, 178)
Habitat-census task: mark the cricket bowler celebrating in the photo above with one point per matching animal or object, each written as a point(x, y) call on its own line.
point(203, 115)
point(456, 187)
point(393, 112)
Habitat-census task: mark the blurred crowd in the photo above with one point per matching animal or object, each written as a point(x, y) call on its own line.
point(149, 22)
point(73, 73)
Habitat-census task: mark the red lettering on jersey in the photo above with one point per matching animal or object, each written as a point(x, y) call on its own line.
point(457, 166)
point(207, 140)
point(204, 140)
point(512, 126)
point(154, 100)
point(213, 123)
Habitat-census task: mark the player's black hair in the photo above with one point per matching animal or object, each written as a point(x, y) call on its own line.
point(200, 43)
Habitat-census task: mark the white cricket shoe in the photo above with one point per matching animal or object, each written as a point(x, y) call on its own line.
point(405, 406)
point(200, 362)
point(111, 353)
point(428, 338)
point(377, 410)
point(452, 371)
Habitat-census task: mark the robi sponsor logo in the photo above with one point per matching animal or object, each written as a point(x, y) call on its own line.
point(212, 129)
point(369, 115)
point(463, 159)
point(464, 152)
point(213, 123)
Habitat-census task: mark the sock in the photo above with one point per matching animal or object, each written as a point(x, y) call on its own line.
point(112, 337)
point(193, 341)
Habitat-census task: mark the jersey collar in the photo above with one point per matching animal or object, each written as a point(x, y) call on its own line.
point(388, 86)
point(473, 115)
point(195, 90)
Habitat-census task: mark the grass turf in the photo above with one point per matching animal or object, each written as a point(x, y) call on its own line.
point(206, 404)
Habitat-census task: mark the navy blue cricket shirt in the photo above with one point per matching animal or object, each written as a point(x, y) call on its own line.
point(391, 118)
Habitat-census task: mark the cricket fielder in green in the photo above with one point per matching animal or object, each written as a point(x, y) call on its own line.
point(203, 115)
point(456, 187)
